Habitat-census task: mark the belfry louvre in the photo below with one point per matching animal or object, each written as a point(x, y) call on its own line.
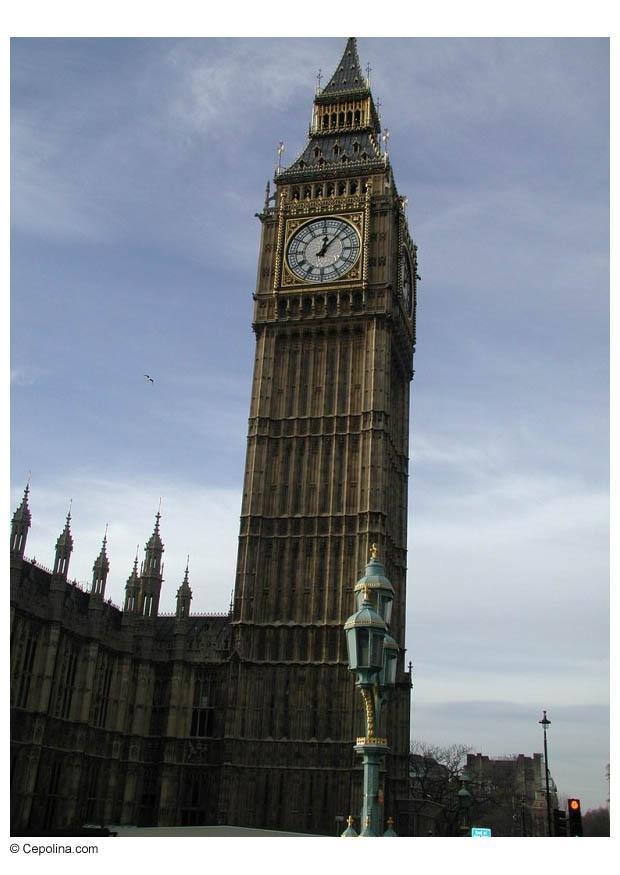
point(249, 719)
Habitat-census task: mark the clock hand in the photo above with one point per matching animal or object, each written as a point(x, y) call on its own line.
point(327, 245)
point(323, 248)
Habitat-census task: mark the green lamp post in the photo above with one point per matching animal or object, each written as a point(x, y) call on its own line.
point(464, 805)
point(372, 656)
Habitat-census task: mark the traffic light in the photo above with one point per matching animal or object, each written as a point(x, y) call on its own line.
point(574, 818)
point(559, 822)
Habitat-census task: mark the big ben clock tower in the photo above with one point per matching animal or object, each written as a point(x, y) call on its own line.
point(326, 472)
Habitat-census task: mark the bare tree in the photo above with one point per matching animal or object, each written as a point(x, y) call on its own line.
point(596, 822)
point(434, 781)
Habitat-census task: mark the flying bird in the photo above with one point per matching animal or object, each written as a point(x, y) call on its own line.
point(148, 377)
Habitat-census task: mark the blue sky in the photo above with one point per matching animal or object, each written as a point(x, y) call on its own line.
point(137, 167)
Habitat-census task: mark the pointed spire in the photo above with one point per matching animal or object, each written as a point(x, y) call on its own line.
point(101, 568)
point(64, 548)
point(65, 539)
point(22, 514)
point(348, 75)
point(20, 525)
point(132, 587)
point(184, 595)
point(155, 540)
point(345, 127)
point(152, 572)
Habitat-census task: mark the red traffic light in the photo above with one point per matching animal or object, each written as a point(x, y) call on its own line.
point(574, 804)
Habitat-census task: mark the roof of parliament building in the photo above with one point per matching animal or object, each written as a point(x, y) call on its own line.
point(37, 584)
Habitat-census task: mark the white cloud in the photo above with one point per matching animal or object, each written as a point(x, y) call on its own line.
point(27, 375)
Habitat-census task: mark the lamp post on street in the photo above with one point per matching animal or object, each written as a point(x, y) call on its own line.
point(372, 654)
point(546, 723)
point(464, 805)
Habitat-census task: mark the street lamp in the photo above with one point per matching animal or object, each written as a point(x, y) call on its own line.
point(372, 656)
point(464, 804)
point(545, 723)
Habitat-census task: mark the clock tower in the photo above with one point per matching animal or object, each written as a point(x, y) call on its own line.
point(326, 472)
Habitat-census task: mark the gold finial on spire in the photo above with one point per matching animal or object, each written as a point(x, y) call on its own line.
point(373, 551)
point(350, 820)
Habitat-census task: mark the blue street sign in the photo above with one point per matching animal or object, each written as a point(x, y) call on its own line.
point(480, 832)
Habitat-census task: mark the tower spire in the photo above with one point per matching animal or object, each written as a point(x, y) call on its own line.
point(64, 548)
point(345, 125)
point(20, 525)
point(348, 75)
point(132, 587)
point(184, 595)
point(101, 568)
point(151, 577)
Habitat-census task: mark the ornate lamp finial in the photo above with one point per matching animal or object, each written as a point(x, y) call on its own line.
point(350, 820)
point(385, 136)
point(280, 151)
point(373, 551)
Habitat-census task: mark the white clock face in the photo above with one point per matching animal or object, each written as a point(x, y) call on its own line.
point(323, 250)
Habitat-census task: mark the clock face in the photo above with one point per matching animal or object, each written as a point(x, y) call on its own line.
point(407, 282)
point(323, 250)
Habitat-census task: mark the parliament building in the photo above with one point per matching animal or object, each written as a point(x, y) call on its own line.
point(126, 716)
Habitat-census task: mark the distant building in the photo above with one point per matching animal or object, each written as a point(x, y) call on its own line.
point(510, 793)
point(506, 794)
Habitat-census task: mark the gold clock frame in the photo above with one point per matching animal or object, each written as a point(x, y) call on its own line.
point(292, 224)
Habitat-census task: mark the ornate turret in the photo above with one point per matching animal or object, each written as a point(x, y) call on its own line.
point(132, 588)
point(100, 570)
point(345, 126)
point(19, 526)
point(151, 573)
point(184, 596)
point(64, 548)
point(153, 550)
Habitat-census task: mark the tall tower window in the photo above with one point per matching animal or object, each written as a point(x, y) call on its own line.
point(202, 712)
